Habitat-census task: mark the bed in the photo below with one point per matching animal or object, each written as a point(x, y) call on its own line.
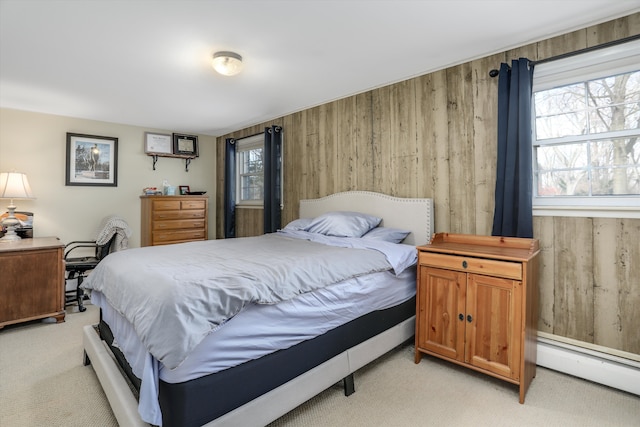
point(274, 374)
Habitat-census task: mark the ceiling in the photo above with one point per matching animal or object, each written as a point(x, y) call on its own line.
point(148, 62)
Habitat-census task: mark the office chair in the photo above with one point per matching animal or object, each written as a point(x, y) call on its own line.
point(112, 236)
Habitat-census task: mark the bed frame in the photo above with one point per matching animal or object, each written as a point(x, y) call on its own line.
point(411, 214)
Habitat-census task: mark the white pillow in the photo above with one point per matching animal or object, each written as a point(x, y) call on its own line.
point(343, 224)
point(388, 234)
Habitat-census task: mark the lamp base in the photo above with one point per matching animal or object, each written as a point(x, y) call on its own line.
point(10, 236)
point(10, 222)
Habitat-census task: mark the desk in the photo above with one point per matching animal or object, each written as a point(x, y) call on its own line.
point(31, 280)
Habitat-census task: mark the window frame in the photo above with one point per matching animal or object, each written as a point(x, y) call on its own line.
point(605, 62)
point(242, 145)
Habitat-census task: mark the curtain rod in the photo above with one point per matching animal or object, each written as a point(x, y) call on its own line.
point(494, 72)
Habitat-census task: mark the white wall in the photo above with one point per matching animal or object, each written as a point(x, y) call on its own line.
point(35, 144)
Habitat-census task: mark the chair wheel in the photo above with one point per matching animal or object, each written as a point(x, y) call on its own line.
point(81, 309)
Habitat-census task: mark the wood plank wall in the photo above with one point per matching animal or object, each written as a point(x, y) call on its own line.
point(435, 136)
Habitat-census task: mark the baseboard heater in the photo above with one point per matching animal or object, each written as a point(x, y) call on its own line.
point(560, 354)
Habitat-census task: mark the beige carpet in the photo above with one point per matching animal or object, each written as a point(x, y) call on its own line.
point(43, 383)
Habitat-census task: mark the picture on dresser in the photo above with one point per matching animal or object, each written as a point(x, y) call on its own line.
point(184, 190)
point(91, 160)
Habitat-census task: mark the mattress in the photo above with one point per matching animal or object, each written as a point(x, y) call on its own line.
point(258, 330)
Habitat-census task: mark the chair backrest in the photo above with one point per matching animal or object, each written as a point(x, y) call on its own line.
point(104, 250)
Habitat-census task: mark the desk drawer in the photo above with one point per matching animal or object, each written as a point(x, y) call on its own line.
point(488, 267)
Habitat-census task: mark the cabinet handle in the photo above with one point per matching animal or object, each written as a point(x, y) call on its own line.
point(461, 316)
point(464, 264)
point(469, 318)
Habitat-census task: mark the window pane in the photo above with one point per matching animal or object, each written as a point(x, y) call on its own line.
point(251, 187)
point(560, 100)
point(564, 156)
point(618, 117)
point(561, 125)
point(620, 89)
point(560, 112)
point(615, 152)
point(251, 161)
point(563, 183)
point(563, 170)
point(616, 181)
point(617, 102)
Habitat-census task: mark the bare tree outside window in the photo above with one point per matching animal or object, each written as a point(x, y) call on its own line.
point(586, 138)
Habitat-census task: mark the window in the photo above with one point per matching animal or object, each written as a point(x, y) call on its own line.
point(250, 171)
point(586, 140)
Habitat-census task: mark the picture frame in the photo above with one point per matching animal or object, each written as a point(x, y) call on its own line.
point(185, 145)
point(184, 190)
point(157, 143)
point(91, 160)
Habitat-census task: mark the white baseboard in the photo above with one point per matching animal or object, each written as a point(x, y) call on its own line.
point(602, 368)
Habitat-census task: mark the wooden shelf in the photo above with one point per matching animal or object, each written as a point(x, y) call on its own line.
point(187, 158)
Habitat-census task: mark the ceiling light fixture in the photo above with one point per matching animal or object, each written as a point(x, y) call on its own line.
point(227, 63)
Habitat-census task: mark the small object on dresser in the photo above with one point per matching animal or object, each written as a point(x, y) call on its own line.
point(184, 190)
point(151, 191)
point(196, 193)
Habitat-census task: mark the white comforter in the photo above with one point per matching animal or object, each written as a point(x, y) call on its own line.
point(175, 295)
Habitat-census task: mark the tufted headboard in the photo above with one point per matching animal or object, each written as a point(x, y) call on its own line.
point(405, 213)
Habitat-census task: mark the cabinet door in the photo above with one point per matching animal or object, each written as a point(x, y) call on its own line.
point(441, 303)
point(494, 319)
point(30, 284)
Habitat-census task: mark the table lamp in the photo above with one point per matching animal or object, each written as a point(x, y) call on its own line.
point(13, 185)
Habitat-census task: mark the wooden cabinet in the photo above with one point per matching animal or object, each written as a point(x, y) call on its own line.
point(477, 304)
point(173, 219)
point(31, 280)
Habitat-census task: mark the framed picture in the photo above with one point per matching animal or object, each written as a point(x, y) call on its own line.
point(185, 144)
point(184, 189)
point(91, 160)
point(157, 143)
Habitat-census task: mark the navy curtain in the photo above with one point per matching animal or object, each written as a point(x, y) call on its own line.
point(513, 214)
point(272, 179)
point(230, 188)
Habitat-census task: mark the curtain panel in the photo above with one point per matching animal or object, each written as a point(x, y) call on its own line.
point(272, 179)
point(230, 188)
point(513, 216)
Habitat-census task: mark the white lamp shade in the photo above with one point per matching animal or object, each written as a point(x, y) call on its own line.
point(14, 185)
point(227, 63)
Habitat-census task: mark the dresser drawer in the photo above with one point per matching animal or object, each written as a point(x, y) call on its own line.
point(184, 224)
point(511, 270)
point(186, 214)
point(192, 204)
point(166, 205)
point(165, 237)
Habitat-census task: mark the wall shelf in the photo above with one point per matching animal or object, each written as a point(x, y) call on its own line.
point(187, 159)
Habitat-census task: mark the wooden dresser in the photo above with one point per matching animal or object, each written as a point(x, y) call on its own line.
point(31, 280)
point(477, 304)
point(173, 219)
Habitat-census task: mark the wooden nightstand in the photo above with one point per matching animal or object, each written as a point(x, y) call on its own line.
point(31, 280)
point(477, 304)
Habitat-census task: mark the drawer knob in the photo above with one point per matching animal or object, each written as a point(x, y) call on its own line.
point(461, 316)
point(464, 264)
point(469, 318)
